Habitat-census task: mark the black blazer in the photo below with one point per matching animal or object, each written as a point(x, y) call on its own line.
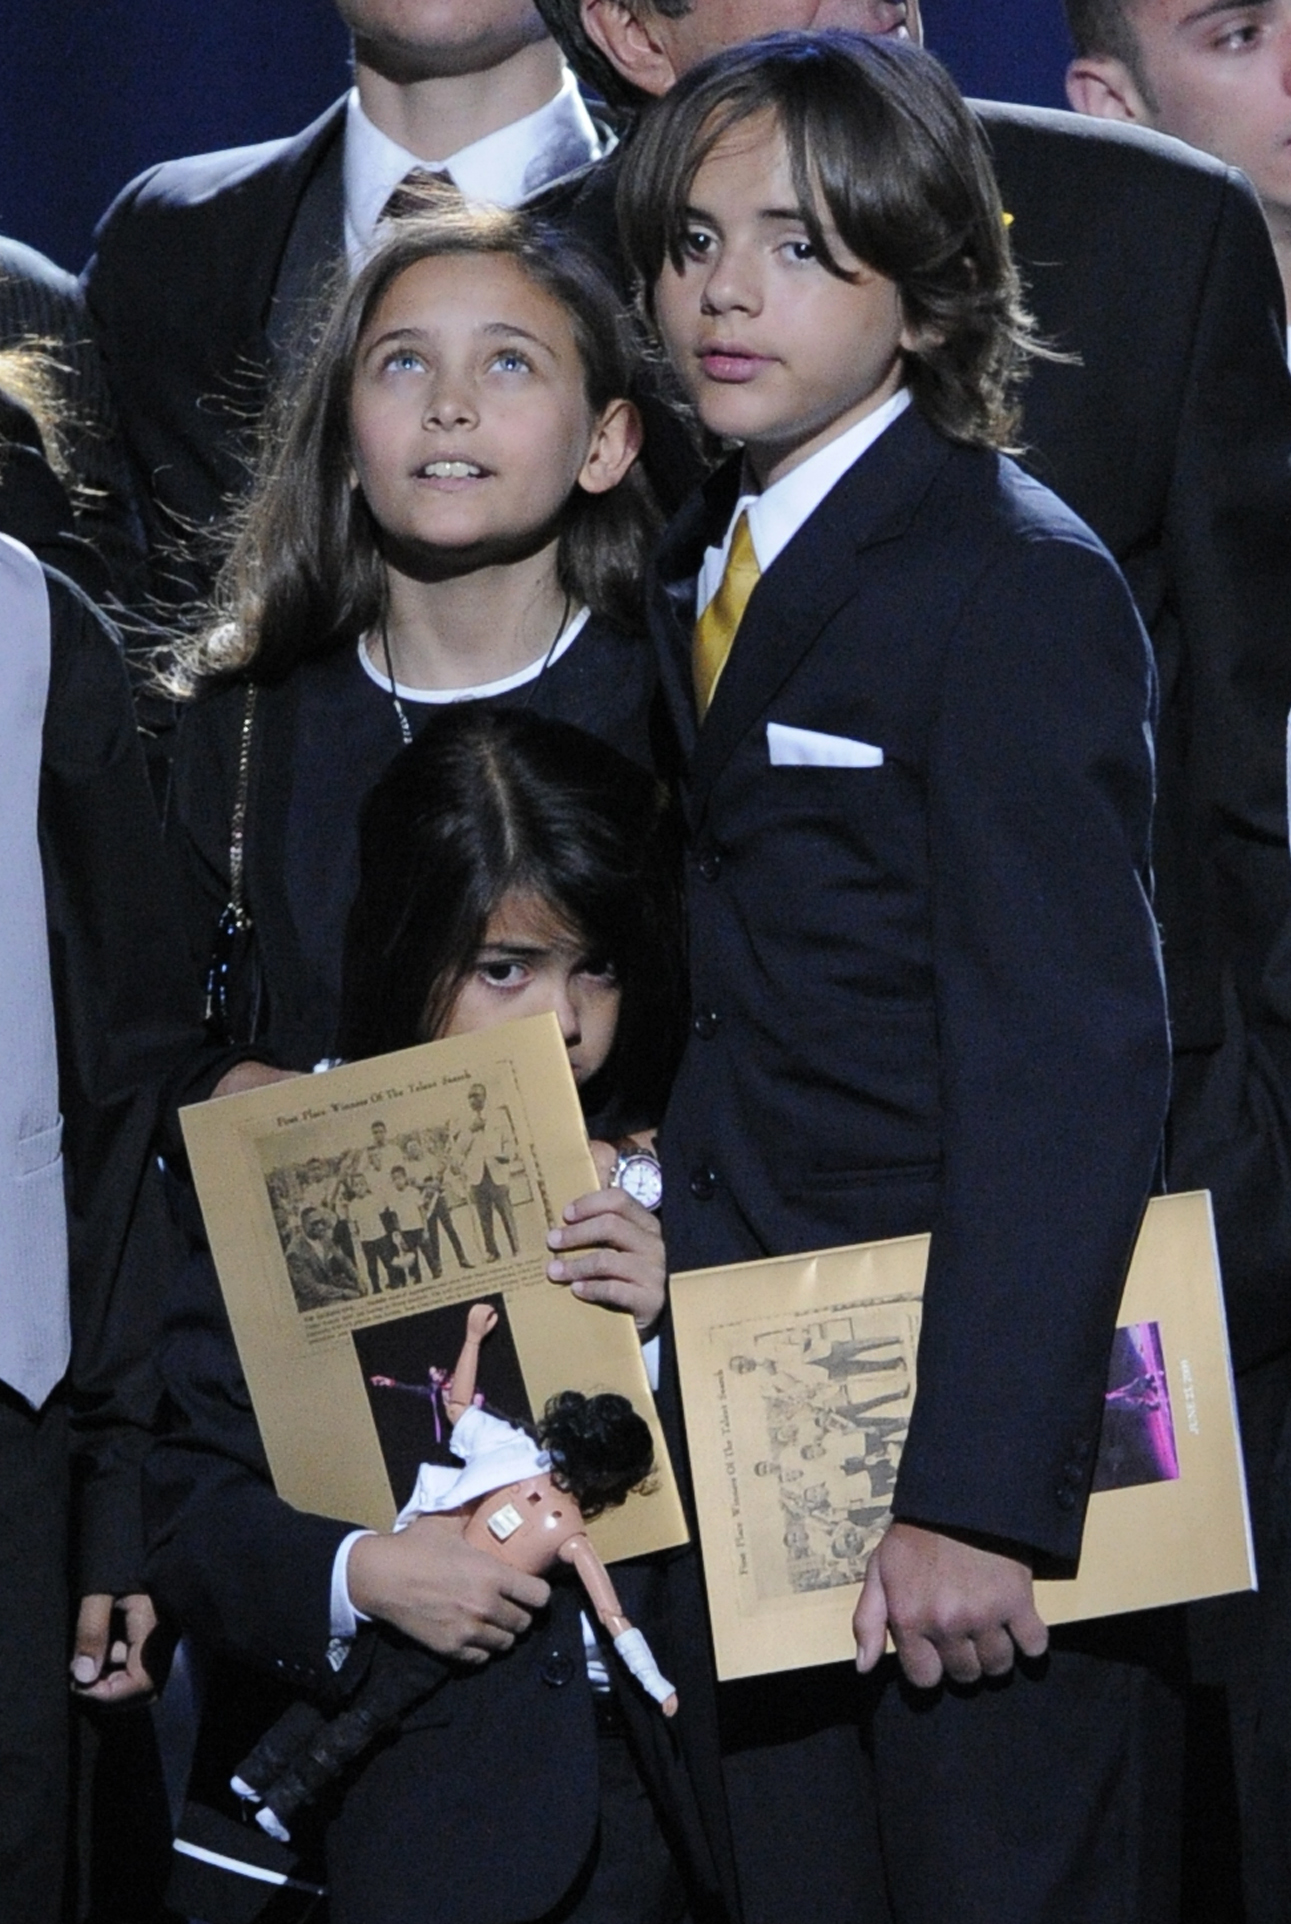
point(320, 740)
point(483, 1808)
point(181, 296)
point(927, 994)
point(1172, 438)
point(466, 1818)
point(128, 1026)
point(1169, 433)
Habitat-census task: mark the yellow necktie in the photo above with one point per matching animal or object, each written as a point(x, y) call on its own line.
point(716, 628)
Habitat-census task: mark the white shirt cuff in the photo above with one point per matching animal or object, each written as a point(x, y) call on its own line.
point(345, 1618)
point(650, 1357)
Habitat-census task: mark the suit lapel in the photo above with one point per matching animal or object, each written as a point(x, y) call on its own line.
point(308, 186)
point(807, 585)
point(314, 246)
point(699, 525)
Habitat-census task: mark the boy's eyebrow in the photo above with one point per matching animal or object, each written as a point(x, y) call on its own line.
point(1213, 7)
point(764, 213)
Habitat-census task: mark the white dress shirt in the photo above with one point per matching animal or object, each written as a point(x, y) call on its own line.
point(776, 515)
point(506, 167)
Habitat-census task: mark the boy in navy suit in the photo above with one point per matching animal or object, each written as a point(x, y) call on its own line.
point(916, 704)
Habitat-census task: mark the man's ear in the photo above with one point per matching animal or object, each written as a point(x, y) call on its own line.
point(1099, 85)
point(630, 44)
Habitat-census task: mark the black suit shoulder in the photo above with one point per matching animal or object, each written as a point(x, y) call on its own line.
point(179, 292)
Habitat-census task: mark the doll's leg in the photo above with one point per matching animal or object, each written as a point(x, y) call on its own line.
point(399, 1678)
point(277, 1750)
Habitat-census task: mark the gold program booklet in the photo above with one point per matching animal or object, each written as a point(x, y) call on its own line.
point(798, 1375)
point(354, 1217)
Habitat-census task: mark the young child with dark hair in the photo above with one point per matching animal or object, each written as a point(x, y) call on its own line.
point(916, 704)
point(510, 866)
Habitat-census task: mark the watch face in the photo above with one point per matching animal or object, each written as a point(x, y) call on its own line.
point(642, 1177)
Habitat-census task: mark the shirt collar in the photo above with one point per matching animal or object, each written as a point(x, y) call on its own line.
point(776, 515)
point(506, 167)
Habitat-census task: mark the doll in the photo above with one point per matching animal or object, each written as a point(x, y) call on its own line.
point(522, 1498)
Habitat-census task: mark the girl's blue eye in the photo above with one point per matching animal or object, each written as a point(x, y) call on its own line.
point(403, 359)
point(511, 361)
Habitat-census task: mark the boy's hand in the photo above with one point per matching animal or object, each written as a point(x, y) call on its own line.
point(109, 1669)
point(434, 1586)
point(623, 1263)
point(954, 1608)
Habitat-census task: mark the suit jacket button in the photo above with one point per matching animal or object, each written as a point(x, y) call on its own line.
point(558, 1670)
point(710, 864)
point(705, 1024)
point(703, 1183)
point(1064, 1496)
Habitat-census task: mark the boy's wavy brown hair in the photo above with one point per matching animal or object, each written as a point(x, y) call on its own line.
point(882, 147)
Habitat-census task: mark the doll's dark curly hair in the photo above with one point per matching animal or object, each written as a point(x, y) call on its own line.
point(600, 1449)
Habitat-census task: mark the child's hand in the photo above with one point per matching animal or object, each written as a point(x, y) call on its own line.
point(437, 1588)
point(954, 1608)
point(622, 1264)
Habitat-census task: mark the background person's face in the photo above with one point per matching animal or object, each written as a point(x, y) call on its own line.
point(712, 25)
point(410, 40)
point(1222, 82)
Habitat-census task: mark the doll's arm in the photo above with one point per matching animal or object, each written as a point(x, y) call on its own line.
point(629, 1642)
point(460, 1392)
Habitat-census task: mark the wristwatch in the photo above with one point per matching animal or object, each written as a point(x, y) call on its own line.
point(638, 1172)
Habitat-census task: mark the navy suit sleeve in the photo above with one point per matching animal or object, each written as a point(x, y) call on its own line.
point(1052, 1038)
point(227, 1557)
point(128, 1024)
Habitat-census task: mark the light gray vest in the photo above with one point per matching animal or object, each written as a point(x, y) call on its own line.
point(35, 1329)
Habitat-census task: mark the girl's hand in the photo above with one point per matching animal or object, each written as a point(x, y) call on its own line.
point(612, 1252)
point(430, 1583)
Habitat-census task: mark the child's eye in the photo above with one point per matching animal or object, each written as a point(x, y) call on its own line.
point(799, 249)
point(511, 361)
point(403, 360)
point(601, 967)
point(697, 243)
point(503, 974)
point(1237, 39)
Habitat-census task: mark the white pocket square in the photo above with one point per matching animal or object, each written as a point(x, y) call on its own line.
point(808, 748)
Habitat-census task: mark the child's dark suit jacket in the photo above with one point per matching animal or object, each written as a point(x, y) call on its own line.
point(926, 986)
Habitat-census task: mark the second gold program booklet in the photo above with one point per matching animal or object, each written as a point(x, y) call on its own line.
point(798, 1377)
point(354, 1217)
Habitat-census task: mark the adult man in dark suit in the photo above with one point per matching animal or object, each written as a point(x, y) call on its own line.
point(206, 269)
point(75, 1416)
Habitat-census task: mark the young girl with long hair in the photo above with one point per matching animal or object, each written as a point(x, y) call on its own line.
point(450, 510)
point(510, 865)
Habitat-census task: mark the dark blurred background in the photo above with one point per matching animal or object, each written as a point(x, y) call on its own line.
point(95, 90)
